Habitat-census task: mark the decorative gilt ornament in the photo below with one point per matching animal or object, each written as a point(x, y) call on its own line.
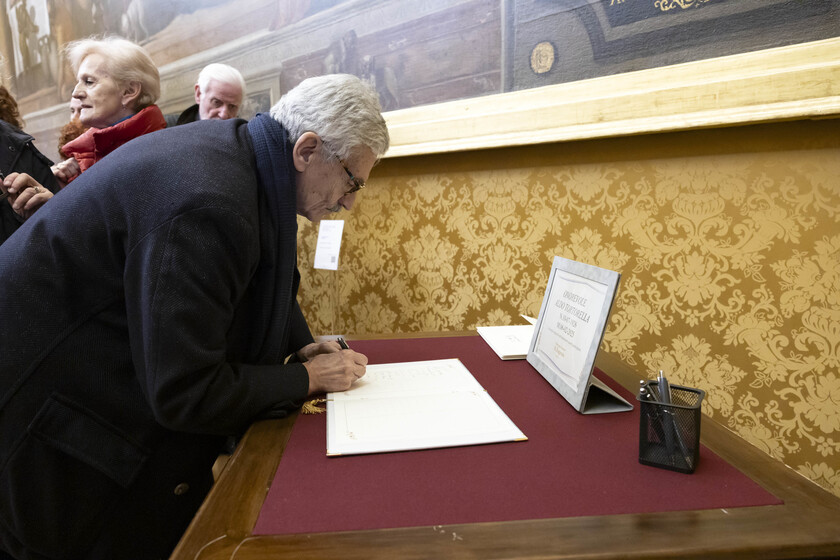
point(665, 5)
point(542, 57)
point(311, 406)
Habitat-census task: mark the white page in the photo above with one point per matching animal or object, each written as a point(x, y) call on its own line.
point(414, 405)
point(410, 378)
point(508, 342)
point(329, 244)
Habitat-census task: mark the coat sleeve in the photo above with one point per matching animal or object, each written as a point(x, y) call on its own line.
point(299, 335)
point(182, 282)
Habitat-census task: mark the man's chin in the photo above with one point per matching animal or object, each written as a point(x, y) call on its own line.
point(316, 216)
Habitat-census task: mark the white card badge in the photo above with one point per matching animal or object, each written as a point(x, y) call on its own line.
point(329, 244)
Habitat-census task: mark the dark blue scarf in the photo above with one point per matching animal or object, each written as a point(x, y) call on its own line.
point(276, 278)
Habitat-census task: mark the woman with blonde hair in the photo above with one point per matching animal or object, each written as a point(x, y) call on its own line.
point(117, 86)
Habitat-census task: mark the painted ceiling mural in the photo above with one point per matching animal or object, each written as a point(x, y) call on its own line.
point(415, 52)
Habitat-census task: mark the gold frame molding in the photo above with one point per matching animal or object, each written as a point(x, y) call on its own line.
point(793, 82)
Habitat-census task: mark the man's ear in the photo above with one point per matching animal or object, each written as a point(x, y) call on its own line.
point(131, 91)
point(197, 93)
point(304, 150)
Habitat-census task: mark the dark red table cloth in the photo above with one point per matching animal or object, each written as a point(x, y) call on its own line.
point(571, 465)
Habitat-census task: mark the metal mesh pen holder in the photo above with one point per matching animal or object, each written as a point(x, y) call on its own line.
point(669, 434)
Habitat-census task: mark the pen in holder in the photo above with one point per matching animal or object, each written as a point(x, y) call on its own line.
point(669, 433)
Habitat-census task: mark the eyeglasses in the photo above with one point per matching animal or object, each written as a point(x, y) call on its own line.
point(358, 184)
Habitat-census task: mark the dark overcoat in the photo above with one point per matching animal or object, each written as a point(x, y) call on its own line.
point(18, 154)
point(126, 318)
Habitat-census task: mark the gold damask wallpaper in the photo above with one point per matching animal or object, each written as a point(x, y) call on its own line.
point(728, 242)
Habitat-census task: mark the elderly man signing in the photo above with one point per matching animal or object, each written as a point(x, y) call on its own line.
point(150, 311)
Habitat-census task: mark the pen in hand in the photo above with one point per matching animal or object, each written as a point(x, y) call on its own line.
point(342, 343)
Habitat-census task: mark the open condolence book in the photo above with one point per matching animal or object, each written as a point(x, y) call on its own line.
point(415, 405)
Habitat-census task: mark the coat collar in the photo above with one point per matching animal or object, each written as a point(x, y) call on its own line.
point(96, 143)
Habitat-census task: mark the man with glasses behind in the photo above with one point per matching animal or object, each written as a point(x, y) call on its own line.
point(151, 312)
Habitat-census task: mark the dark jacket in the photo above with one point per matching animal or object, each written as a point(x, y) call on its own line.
point(127, 312)
point(188, 115)
point(19, 154)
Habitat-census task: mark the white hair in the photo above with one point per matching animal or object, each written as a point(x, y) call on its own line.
point(340, 108)
point(221, 73)
point(124, 61)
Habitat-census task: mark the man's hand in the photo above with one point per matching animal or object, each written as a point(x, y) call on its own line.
point(311, 350)
point(26, 194)
point(335, 371)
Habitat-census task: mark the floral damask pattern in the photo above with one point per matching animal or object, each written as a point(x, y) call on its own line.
point(730, 262)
